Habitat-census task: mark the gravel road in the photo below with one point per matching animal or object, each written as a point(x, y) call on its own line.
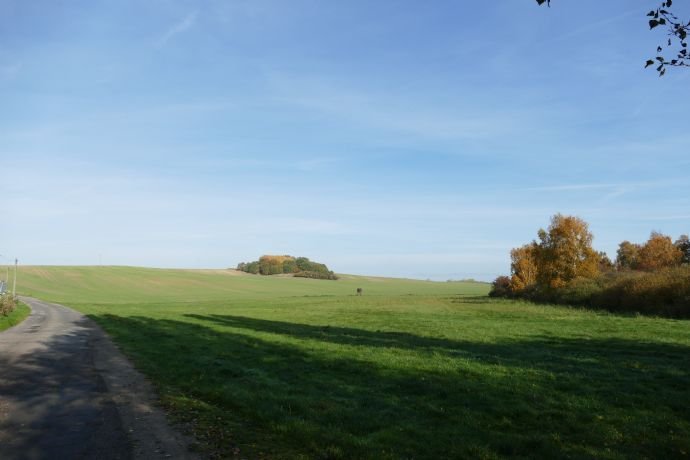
point(66, 392)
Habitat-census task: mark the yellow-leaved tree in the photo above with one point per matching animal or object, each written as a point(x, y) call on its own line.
point(565, 252)
point(659, 252)
point(523, 267)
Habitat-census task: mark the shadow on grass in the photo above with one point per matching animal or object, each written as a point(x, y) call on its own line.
point(473, 299)
point(296, 392)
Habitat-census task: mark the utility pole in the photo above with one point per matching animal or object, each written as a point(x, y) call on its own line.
point(14, 284)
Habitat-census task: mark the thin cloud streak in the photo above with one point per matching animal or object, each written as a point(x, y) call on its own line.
point(185, 24)
point(618, 187)
point(373, 110)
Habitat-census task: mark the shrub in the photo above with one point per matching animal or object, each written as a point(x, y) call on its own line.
point(252, 267)
point(500, 287)
point(664, 292)
point(317, 275)
point(7, 304)
point(579, 291)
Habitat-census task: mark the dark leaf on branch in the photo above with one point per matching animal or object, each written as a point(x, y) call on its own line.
point(653, 23)
point(649, 62)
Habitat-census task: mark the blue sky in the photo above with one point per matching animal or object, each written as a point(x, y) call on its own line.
point(389, 138)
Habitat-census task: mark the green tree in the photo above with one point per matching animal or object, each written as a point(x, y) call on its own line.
point(290, 266)
point(605, 264)
point(252, 267)
point(627, 256)
point(683, 245)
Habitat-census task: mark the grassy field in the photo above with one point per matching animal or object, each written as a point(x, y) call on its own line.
point(17, 316)
point(299, 368)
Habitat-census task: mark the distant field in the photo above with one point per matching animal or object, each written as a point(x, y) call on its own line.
point(300, 368)
point(127, 284)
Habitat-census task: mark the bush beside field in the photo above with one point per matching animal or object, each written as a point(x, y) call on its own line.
point(562, 267)
point(665, 292)
point(7, 304)
point(11, 312)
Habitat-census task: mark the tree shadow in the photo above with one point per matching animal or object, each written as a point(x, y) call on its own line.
point(297, 392)
point(540, 352)
point(53, 401)
point(473, 299)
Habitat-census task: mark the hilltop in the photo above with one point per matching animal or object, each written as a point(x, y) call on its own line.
point(296, 266)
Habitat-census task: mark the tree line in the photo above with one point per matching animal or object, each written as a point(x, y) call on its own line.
point(562, 266)
point(297, 266)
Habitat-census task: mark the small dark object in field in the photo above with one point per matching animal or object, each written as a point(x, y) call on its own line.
point(359, 291)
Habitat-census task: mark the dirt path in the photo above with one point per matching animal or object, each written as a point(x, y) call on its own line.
point(67, 392)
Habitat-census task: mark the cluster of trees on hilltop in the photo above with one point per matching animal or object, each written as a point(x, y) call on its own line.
point(562, 267)
point(297, 266)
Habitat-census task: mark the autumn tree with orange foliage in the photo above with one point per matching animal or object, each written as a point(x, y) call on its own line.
point(523, 267)
point(562, 267)
point(565, 252)
point(659, 252)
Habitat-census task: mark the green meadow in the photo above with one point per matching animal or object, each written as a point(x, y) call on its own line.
point(279, 367)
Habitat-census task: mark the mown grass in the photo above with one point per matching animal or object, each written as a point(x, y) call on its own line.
point(412, 370)
point(18, 315)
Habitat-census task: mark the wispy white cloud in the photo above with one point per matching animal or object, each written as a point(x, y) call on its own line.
point(619, 188)
point(408, 117)
point(185, 24)
point(590, 26)
point(667, 217)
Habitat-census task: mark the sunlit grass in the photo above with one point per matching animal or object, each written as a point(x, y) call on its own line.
point(15, 317)
point(436, 370)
